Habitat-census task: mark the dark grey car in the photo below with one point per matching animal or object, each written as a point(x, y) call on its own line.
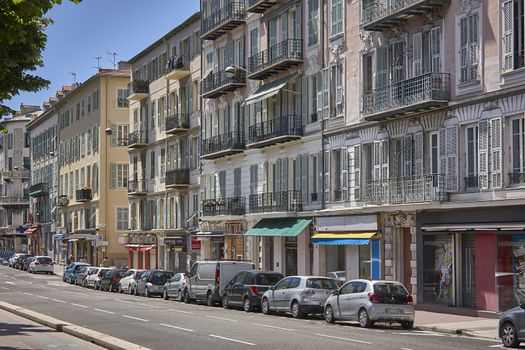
point(512, 326)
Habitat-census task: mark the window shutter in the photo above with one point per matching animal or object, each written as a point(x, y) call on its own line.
point(326, 93)
point(384, 159)
point(319, 87)
point(339, 86)
point(113, 168)
point(319, 174)
point(474, 46)
point(357, 172)
point(435, 44)
point(452, 159)
point(304, 99)
point(377, 161)
point(113, 135)
point(327, 178)
point(407, 156)
point(304, 178)
point(508, 34)
point(344, 174)
point(418, 154)
point(381, 67)
point(284, 179)
point(297, 174)
point(483, 154)
point(442, 140)
point(496, 153)
point(418, 54)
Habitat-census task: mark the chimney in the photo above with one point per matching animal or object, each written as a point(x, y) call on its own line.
point(25, 109)
point(123, 65)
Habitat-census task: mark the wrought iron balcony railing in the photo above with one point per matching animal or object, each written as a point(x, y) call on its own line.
point(283, 201)
point(220, 83)
point(283, 52)
point(138, 87)
point(178, 177)
point(84, 195)
point(276, 129)
point(177, 123)
point(259, 6)
point(220, 145)
point(137, 186)
point(137, 138)
point(39, 189)
point(423, 91)
point(226, 18)
point(517, 178)
point(405, 190)
point(471, 182)
point(177, 67)
point(14, 200)
point(228, 206)
point(63, 200)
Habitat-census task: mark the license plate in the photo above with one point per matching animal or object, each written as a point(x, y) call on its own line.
point(394, 311)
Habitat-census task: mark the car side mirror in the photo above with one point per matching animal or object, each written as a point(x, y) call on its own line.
point(522, 306)
point(335, 292)
point(272, 288)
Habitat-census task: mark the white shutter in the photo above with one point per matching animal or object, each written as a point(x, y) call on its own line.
point(483, 154)
point(463, 50)
point(304, 99)
point(357, 172)
point(474, 46)
point(326, 93)
point(381, 67)
point(344, 174)
point(327, 179)
point(442, 149)
point(319, 88)
point(297, 173)
point(452, 159)
point(339, 89)
point(496, 153)
point(407, 156)
point(284, 179)
point(319, 175)
point(418, 154)
point(507, 22)
point(277, 179)
point(435, 48)
point(304, 178)
point(417, 48)
point(384, 159)
point(376, 175)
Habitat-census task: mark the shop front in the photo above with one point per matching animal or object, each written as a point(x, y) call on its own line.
point(81, 245)
point(212, 244)
point(34, 238)
point(234, 244)
point(142, 250)
point(177, 251)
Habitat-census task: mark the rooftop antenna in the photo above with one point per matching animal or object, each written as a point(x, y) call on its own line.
point(114, 61)
point(98, 62)
point(74, 77)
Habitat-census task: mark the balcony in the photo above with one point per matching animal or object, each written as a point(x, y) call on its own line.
point(378, 15)
point(63, 200)
point(223, 145)
point(283, 201)
point(137, 139)
point(406, 190)
point(7, 175)
point(260, 6)
point(138, 90)
point(424, 92)
point(517, 178)
point(177, 178)
point(274, 131)
point(178, 67)
point(14, 201)
point(229, 206)
point(137, 187)
point(38, 190)
point(219, 83)
point(84, 195)
point(471, 183)
point(229, 17)
point(178, 123)
point(278, 58)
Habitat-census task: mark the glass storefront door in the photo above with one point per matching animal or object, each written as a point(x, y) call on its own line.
point(291, 256)
point(438, 269)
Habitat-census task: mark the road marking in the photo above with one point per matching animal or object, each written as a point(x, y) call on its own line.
point(273, 327)
point(59, 301)
point(135, 318)
point(42, 297)
point(221, 318)
point(496, 346)
point(9, 282)
point(105, 311)
point(230, 339)
point(147, 305)
point(423, 333)
point(341, 338)
point(405, 349)
point(182, 312)
point(27, 293)
point(124, 301)
point(5, 288)
point(84, 306)
point(171, 326)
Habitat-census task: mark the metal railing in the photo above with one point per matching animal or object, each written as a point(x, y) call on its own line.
point(63, 200)
point(137, 137)
point(232, 10)
point(228, 206)
point(214, 81)
point(282, 201)
point(178, 121)
point(287, 49)
point(517, 178)
point(218, 143)
point(175, 63)
point(377, 9)
point(135, 186)
point(471, 182)
point(410, 189)
point(288, 125)
point(83, 194)
point(423, 88)
point(138, 86)
point(6, 200)
point(39, 188)
point(178, 177)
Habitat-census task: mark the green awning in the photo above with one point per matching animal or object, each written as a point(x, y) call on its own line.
point(281, 227)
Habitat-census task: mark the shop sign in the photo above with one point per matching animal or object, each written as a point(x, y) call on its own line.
point(102, 243)
point(195, 243)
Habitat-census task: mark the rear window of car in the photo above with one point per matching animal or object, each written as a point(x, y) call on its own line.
point(394, 293)
point(121, 273)
point(321, 283)
point(268, 279)
point(45, 260)
point(160, 277)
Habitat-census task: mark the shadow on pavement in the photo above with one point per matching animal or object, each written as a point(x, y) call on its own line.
point(20, 329)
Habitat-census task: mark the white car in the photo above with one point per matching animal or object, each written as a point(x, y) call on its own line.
point(42, 264)
point(128, 282)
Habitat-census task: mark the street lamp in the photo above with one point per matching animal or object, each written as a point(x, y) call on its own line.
point(231, 71)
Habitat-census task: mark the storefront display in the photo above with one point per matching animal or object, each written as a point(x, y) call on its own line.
point(438, 269)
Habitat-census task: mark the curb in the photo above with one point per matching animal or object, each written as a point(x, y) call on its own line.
point(463, 332)
point(94, 337)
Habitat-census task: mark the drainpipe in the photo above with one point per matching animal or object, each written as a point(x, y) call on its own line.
point(323, 52)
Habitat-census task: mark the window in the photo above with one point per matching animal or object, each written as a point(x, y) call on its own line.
point(78, 111)
point(253, 178)
point(82, 144)
point(313, 22)
point(490, 153)
point(469, 48)
point(312, 88)
point(162, 162)
point(122, 98)
point(518, 150)
point(82, 108)
point(10, 141)
point(152, 169)
point(471, 180)
point(89, 104)
point(237, 182)
point(10, 163)
point(95, 100)
point(513, 29)
point(122, 219)
point(119, 175)
point(330, 92)
point(336, 17)
point(254, 41)
point(119, 135)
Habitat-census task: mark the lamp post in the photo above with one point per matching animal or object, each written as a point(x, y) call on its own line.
point(231, 71)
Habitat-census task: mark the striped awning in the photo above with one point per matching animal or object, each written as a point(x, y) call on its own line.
point(350, 238)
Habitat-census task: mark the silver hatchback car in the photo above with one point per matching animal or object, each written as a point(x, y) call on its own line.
point(300, 295)
point(370, 301)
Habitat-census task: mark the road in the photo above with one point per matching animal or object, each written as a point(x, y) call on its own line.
point(160, 324)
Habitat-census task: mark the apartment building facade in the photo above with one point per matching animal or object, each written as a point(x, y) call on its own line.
point(163, 144)
point(14, 198)
point(93, 175)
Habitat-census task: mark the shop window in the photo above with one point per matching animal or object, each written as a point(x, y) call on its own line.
point(364, 262)
point(438, 269)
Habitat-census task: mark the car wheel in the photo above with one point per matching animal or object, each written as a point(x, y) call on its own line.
point(63, 278)
point(265, 307)
point(110, 289)
point(84, 284)
point(364, 320)
point(329, 314)
point(146, 293)
point(187, 298)
point(165, 295)
point(135, 291)
point(247, 305)
point(225, 303)
point(209, 299)
point(509, 336)
point(407, 324)
point(120, 288)
point(296, 310)
point(180, 297)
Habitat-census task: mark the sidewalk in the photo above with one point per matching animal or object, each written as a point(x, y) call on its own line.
point(480, 327)
point(59, 269)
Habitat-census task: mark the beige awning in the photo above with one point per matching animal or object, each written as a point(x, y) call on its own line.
point(268, 90)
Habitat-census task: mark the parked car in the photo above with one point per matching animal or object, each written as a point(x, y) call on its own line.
point(71, 270)
point(175, 287)
point(370, 301)
point(246, 288)
point(28, 260)
point(128, 281)
point(110, 280)
point(14, 259)
point(93, 279)
point(80, 276)
point(207, 279)
point(42, 264)
point(299, 295)
point(511, 330)
point(337, 275)
point(152, 282)
point(19, 261)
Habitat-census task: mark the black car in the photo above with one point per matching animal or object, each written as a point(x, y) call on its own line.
point(27, 261)
point(19, 260)
point(247, 287)
point(152, 282)
point(111, 279)
point(511, 330)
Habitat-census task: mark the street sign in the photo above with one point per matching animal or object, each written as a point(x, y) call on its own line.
point(102, 243)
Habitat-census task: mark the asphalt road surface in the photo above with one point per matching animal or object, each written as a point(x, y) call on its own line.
point(160, 324)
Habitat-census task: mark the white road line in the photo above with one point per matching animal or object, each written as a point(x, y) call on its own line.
point(180, 328)
point(135, 318)
point(405, 349)
point(230, 339)
point(9, 282)
point(496, 346)
point(346, 339)
point(42, 297)
point(182, 312)
point(27, 293)
point(5, 288)
point(147, 305)
point(59, 301)
point(84, 306)
point(221, 318)
point(124, 301)
point(105, 311)
point(273, 327)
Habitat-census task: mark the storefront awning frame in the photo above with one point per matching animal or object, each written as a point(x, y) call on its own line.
point(268, 90)
point(504, 226)
point(281, 227)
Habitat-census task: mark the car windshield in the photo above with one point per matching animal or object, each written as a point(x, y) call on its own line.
point(321, 283)
point(268, 279)
point(160, 277)
point(390, 289)
point(45, 260)
point(340, 274)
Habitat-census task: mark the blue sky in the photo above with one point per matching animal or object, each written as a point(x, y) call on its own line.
point(95, 27)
